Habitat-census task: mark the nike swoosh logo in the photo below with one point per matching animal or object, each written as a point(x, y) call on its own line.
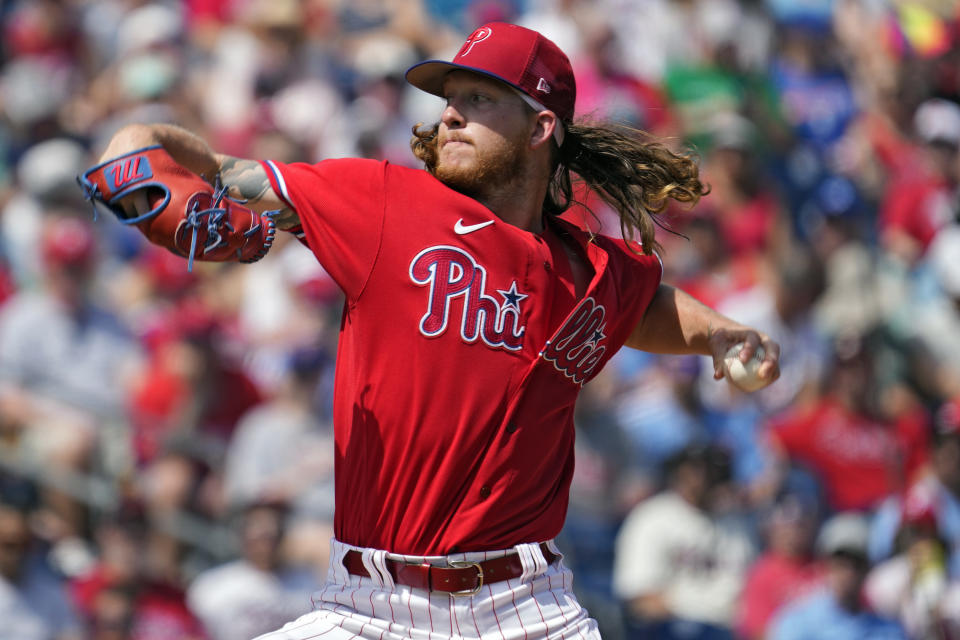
point(462, 229)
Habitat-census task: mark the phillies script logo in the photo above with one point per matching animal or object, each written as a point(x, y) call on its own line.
point(479, 35)
point(453, 273)
point(126, 171)
point(575, 350)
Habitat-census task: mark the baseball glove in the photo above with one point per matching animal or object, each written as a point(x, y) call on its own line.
point(185, 213)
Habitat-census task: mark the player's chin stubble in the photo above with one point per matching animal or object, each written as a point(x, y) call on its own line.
point(488, 170)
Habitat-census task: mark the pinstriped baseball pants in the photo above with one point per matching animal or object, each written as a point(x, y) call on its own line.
point(538, 604)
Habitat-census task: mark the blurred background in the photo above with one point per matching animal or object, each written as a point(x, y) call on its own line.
point(140, 499)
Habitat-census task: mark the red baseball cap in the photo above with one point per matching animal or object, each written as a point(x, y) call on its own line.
point(521, 57)
point(68, 243)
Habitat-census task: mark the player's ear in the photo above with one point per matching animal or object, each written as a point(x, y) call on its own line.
point(544, 127)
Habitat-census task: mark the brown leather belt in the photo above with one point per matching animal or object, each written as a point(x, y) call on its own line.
point(460, 578)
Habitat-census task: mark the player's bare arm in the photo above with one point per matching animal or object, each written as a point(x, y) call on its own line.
point(245, 179)
point(187, 148)
point(677, 323)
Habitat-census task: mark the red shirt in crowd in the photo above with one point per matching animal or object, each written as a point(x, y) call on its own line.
point(158, 611)
point(774, 580)
point(860, 460)
point(918, 208)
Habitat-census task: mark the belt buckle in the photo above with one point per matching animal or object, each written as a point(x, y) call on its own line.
point(463, 564)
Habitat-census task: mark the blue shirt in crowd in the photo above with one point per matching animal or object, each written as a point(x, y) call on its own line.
point(820, 617)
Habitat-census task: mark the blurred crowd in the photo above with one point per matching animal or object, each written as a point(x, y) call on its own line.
point(165, 439)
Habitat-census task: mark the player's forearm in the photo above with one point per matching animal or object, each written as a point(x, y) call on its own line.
point(185, 147)
point(676, 322)
point(246, 180)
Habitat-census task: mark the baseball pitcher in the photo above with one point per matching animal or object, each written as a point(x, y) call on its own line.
point(473, 316)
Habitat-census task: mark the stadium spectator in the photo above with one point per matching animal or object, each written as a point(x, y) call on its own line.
point(919, 203)
point(681, 562)
point(656, 408)
point(133, 590)
point(256, 593)
point(34, 604)
point(744, 204)
point(183, 420)
point(912, 585)
point(786, 571)
point(64, 362)
point(837, 611)
point(935, 327)
point(859, 453)
point(283, 451)
point(938, 490)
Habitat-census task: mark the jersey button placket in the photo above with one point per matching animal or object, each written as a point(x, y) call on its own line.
point(544, 251)
point(511, 427)
point(484, 492)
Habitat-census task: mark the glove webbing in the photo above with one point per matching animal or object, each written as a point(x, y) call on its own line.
point(215, 221)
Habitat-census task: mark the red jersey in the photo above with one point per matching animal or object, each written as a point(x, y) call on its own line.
point(462, 350)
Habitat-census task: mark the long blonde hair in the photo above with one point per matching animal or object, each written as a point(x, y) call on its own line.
point(633, 173)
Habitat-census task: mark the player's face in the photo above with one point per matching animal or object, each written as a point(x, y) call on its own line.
point(484, 134)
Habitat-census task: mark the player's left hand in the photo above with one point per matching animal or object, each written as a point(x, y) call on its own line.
point(722, 339)
point(176, 208)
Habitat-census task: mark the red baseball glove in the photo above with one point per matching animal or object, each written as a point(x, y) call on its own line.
point(186, 214)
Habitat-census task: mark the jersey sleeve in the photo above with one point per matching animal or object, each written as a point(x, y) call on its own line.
point(341, 207)
point(639, 276)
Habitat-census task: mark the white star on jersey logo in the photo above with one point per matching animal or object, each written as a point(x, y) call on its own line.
point(512, 297)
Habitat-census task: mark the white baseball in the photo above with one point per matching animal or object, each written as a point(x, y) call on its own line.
point(743, 375)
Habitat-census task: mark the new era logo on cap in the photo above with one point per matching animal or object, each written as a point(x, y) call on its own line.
point(518, 56)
